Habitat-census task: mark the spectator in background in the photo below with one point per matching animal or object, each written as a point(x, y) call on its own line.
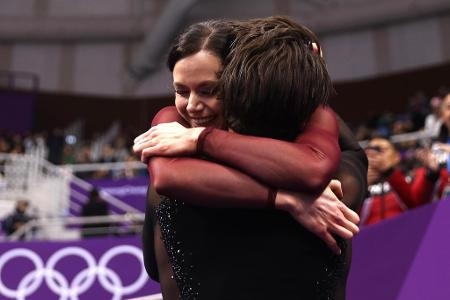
point(433, 121)
point(95, 206)
point(121, 152)
point(418, 110)
point(16, 144)
point(4, 145)
point(55, 144)
point(17, 219)
point(390, 192)
point(68, 155)
point(442, 149)
point(444, 131)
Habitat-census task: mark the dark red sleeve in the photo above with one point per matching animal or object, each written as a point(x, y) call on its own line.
point(413, 194)
point(210, 184)
point(306, 165)
point(205, 183)
point(202, 182)
point(422, 188)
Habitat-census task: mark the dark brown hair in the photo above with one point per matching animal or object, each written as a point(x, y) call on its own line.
point(273, 80)
point(214, 36)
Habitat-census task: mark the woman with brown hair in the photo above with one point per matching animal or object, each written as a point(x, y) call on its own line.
point(206, 245)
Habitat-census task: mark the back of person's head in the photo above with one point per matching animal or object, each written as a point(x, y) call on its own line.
point(214, 36)
point(94, 195)
point(274, 78)
point(22, 206)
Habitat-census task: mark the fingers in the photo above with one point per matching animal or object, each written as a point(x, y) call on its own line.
point(140, 147)
point(343, 222)
point(341, 231)
point(330, 241)
point(343, 227)
point(350, 214)
point(141, 137)
point(348, 226)
point(348, 220)
point(147, 153)
point(336, 188)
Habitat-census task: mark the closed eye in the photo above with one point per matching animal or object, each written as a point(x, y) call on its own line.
point(208, 91)
point(182, 93)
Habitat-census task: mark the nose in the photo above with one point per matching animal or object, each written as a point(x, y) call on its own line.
point(195, 103)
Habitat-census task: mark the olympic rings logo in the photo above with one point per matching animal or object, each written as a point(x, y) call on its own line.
point(83, 281)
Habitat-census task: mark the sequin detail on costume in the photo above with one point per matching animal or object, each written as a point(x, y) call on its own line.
point(167, 212)
point(334, 272)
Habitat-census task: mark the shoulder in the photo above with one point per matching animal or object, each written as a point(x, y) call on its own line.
point(166, 115)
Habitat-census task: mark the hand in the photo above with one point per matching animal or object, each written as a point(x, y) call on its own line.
point(167, 139)
point(442, 147)
point(383, 161)
point(428, 159)
point(373, 176)
point(323, 215)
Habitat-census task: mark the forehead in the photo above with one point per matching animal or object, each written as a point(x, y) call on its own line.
point(382, 143)
point(199, 67)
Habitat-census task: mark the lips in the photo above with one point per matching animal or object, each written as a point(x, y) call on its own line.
point(199, 122)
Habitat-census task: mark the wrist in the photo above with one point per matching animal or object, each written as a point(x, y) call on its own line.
point(271, 198)
point(194, 137)
point(282, 201)
point(201, 137)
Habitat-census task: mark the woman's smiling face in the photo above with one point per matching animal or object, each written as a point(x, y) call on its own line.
point(195, 82)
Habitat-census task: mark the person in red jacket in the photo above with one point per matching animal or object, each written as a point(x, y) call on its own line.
point(441, 149)
point(390, 192)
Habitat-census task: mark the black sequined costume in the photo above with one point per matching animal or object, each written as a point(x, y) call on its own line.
point(243, 254)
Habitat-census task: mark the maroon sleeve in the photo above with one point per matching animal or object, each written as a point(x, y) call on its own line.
point(205, 183)
point(210, 184)
point(201, 182)
point(306, 165)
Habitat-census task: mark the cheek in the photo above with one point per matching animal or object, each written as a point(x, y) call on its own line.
point(181, 104)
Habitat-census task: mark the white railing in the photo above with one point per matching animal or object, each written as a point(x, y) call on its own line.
point(42, 228)
point(420, 135)
point(132, 165)
point(48, 187)
point(29, 176)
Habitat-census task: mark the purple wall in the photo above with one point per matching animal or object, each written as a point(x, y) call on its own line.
point(132, 191)
point(16, 111)
point(406, 258)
